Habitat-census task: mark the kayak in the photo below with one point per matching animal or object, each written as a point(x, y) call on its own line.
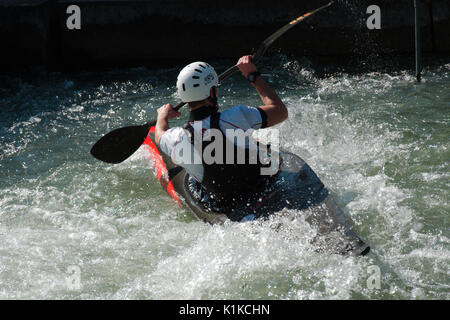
point(296, 186)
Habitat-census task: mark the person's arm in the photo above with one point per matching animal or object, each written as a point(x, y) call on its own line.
point(165, 113)
point(274, 108)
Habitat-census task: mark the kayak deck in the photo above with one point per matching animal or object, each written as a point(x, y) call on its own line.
point(296, 187)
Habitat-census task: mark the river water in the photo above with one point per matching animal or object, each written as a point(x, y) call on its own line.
point(72, 227)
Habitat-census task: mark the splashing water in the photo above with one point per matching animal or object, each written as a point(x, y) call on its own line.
point(379, 141)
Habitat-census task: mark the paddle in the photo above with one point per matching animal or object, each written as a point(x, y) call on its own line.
point(119, 144)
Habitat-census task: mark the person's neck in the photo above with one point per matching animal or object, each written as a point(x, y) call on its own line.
point(201, 111)
point(201, 105)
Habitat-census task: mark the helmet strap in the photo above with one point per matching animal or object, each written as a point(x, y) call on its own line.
point(213, 99)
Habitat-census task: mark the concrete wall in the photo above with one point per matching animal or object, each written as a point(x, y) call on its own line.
point(118, 33)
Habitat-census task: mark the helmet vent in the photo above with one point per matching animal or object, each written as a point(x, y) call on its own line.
point(184, 87)
point(198, 70)
point(195, 77)
point(202, 66)
point(196, 85)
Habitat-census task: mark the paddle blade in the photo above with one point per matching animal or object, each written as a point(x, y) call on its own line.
point(119, 144)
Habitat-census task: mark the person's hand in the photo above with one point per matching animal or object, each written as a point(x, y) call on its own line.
point(246, 66)
point(168, 112)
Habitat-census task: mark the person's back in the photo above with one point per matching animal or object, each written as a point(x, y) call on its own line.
point(215, 147)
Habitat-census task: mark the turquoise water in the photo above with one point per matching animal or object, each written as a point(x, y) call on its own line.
point(378, 140)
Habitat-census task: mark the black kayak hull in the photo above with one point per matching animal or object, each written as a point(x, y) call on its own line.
point(295, 187)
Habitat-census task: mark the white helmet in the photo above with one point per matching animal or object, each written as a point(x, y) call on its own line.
point(195, 81)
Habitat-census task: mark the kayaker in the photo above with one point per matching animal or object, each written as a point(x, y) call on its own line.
point(197, 85)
